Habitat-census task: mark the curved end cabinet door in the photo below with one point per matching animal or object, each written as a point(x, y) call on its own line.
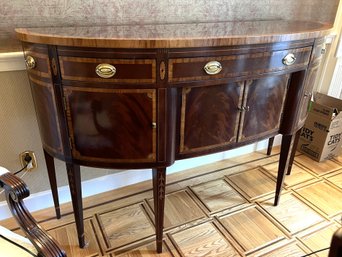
point(43, 94)
point(112, 125)
point(209, 117)
point(45, 105)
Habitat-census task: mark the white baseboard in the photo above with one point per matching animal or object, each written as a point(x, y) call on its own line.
point(95, 186)
point(13, 61)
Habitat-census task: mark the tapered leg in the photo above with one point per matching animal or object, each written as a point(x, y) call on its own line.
point(159, 180)
point(285, 153)
point(293, 151)
point(270, 145)
point(74, 178)
point(50, 164)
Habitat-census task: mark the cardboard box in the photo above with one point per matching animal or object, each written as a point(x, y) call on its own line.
point(320, 137)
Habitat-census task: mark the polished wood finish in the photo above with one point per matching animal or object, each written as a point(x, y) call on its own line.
point(270, 145)
point(119, 120)
point(16, 190)
point(253, 64)
point(159, 182)
point(83, 69)
point(50, 164)
point(74, 178)
point(203, 108)
point(263, 106)
point(176, 35)
point(161, 105)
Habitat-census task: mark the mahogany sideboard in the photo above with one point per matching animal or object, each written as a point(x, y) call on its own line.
point(143, 96)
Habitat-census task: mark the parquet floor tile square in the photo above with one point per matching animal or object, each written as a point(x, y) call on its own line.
point(203, 240)
point(251, 229)
point(67, 238)
point(338, 159)
point(292, 213)
point(324, 197)
point(319, 169)
point(319, 239)
point(125, 225)
point(217, 195)
point(336, 179)
point(180, 208)
point(298, 174)
point(290, 249)
point(253, 183)
point(147, 250)
point(222, 209)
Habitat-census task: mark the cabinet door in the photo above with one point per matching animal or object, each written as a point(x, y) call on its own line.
point(112, 125)
point(209, 116)
point(263, 106)
point(306, 96)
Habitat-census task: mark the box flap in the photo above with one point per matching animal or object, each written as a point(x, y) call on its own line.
point(326, 106)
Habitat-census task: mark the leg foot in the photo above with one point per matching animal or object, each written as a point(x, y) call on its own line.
point(159, 181)
point(74, 178)
point(286, 142)
point(53, 182)
point(270, 145)
point(293, 151)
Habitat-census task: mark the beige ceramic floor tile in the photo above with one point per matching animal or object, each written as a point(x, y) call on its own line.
point(180, 208)
point(298, 174)
point(203, 240)
point(125, 225)
point(323, 196)
point(292, 213)
point(321, 168)
point(217, 195)
point(253, 183)
point(251, 229)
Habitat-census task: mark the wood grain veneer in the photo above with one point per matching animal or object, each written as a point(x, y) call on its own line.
point(161, 105)
point(176, 35)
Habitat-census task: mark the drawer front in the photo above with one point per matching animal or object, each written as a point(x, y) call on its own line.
point(192, 69)
point(37, 61)
point(123, 70)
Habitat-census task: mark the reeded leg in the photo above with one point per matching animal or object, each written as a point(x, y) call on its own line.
point(74, 178)
point(293, 151)
point(50, 164)
point(270, 145)
point(285, 153)
point(159, 181)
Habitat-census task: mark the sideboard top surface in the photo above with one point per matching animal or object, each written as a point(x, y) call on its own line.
point(176, 35)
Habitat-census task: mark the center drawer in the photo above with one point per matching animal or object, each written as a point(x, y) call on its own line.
point(108, 70)
point(206, 68)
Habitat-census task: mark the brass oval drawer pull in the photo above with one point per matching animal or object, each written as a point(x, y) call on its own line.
point(213, 68)
point(105, 70)
point(30, 62)
point(289, 59)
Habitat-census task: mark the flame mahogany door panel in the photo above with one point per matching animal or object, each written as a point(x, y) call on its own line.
point(112, 125)
point(263, 106)
point(209, 116)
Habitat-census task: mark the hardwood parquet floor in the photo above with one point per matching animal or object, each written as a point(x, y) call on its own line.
point(221, 209)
